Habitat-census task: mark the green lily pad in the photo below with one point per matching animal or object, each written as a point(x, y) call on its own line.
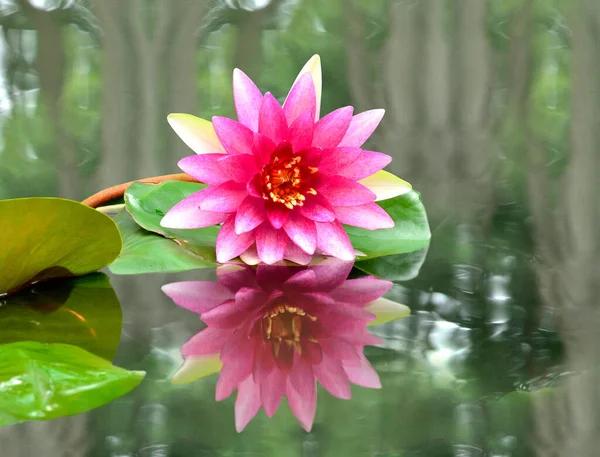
point(45, 381)
point(148, 203)
point(147, 252)
point(51, 237)
point(82, 311)
point(399, 267)
point(411, 232)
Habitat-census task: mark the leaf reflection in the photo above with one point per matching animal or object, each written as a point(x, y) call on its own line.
point(84, 312)
point(56, 345)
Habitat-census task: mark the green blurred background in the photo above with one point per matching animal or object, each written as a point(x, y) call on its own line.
point(492, 113)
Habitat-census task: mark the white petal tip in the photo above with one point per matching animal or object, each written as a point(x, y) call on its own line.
point(387, 310)
point(385, 185)
point(195, 368)
point(314, 60)
point(167, 222)
point(197, 133)
point(380, 112)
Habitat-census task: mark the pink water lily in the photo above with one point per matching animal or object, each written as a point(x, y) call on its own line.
point(281, 179)
point(277, 330)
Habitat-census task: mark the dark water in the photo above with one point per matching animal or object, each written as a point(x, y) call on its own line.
point(492, 113)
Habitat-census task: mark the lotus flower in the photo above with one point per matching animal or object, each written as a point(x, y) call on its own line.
point(278, 329)
point(281, 179)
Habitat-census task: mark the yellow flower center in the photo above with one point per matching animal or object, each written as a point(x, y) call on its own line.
point(284, 181)
point(285, 325)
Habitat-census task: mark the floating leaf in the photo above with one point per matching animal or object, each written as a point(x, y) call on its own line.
point(148, 203)
point(45, 381)
point(411, 232)
point(399, 267)
point(52, 237)
point(146, 252)
point(83, 311)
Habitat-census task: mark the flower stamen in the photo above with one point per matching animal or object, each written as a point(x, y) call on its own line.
point(285, 323)
point(284, 179)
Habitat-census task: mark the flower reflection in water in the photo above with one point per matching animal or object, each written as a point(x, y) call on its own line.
point(278, 329)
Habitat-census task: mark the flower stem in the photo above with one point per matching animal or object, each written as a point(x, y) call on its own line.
point(115, 192)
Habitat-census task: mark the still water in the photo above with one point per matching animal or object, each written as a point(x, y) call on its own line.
point(492, 113)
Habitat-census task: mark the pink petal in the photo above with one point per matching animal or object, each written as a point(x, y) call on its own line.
point(362, 373)
point(311, 157)
point(272, 277)
point(301, 99)
point(272, 390)
point(369, 216)
point(235, 276)
point(313, 352)
point(247, 403)
point(331, 273)
point(187, 214)
point(239, 167)
point(354, 311)
point(235, 137)
point(303, 279)
point(334, 379)
point(303, 407)
point(237, 356)
point(229, 244)
point(301, 131)
point(250, 299)
point(239, 350)
point(300, 282)
point(302, 232)
point(263, 147)
point(208, 341)
point(333, 240)
point(229, 379)
point(362, 337)
point(338, 349)
point(247, 99)
point(277, 213)
point(271, 244)
point(198, 134)
point(341, 191)
point(361, 291)
point(233, 313)
point(313, 67)
point(197, 296)
point(264, 362)
point(205, 168)
point(301, 376)
point(224, 198)
point(367, 163)
point(272, 122)
point(318, 209)
point(311, 301)
point(330, 130)
point(362, 127)
point(254, 187)
point(294, 254)
point(343, 324)
point(250, 214)
point(335, 160)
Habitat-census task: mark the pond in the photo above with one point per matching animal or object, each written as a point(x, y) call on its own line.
point(274, 285)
